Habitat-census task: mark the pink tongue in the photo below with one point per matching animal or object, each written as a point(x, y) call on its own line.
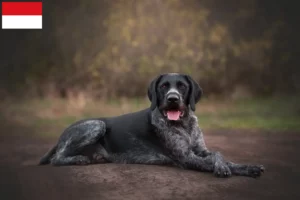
point(173, 115)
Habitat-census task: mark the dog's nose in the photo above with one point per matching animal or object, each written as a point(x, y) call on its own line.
point(173, 98)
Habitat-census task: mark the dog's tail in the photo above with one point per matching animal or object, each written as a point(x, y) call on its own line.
point(46, 158)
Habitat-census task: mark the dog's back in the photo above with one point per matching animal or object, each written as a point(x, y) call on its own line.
point(123, 132)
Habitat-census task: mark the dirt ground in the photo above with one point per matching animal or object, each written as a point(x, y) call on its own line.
point(21, 178)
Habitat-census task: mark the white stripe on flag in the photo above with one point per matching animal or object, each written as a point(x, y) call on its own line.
point(21, 21)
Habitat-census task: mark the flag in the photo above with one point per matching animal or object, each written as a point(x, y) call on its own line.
point(21, 15)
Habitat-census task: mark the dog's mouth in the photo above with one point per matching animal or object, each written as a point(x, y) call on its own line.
point(173, 115)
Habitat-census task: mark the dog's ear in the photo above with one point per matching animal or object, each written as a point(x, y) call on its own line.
point(152, 92)
point(195, 92)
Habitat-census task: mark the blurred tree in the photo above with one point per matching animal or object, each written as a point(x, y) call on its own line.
point(114, 48)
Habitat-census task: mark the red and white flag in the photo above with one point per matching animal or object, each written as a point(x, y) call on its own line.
point(22, 15)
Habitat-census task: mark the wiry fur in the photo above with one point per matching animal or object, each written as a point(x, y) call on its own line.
point(147, 137)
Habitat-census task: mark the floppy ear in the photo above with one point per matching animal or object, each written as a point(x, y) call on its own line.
point(195, 92)
point(152, 94)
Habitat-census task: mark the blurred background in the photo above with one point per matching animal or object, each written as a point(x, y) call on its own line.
point(96, 58)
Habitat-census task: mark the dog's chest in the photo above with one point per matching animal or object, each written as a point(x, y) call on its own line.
point(184, 134)
point(175, 135)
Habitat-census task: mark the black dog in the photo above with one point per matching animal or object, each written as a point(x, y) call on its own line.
point(167, 133)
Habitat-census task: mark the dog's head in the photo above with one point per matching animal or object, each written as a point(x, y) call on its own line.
point(174, 94)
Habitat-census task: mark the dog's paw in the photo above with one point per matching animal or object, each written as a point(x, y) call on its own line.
point(82, 160)
point(255, 170)
point(98, 158)
point(222, 170)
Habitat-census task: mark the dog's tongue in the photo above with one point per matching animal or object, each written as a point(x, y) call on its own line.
point(173, 115)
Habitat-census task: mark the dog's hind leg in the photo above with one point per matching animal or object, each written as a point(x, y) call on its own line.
point(100, 155)
point(75, 140)
point(70, 160)
point(47, 157)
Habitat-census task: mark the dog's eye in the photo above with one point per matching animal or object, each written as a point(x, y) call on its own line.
point(163, 86)
point(181, 86)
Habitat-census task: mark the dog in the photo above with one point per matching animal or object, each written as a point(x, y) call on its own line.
point(167, 133)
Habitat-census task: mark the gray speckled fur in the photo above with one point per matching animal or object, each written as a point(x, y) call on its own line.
point(186, 145)
point(146, 137)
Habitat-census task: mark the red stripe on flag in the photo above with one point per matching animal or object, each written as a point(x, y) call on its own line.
point(21, 8)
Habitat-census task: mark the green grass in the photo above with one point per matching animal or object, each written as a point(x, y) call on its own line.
point(50, 116)
point(276, 114)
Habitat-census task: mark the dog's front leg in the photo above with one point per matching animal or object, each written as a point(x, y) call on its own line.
point(182, 152)
point(246, 170)
point(222, 166)
point(221, 169)
point(213, 162)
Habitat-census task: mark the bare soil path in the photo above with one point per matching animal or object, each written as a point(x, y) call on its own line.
point(21, 178)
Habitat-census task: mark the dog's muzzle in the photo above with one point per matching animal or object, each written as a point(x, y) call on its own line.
point(173, 98)
point(173, 111)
